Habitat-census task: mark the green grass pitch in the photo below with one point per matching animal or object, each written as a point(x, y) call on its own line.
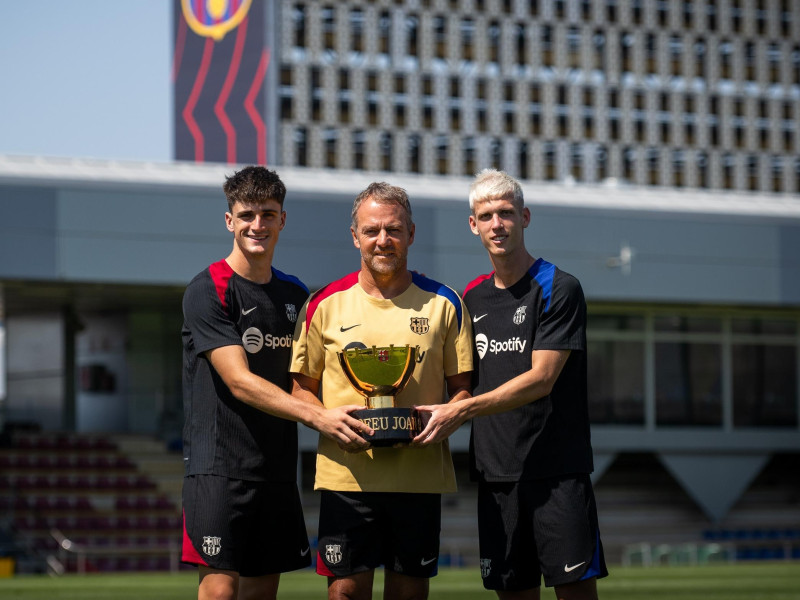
point(741, 581)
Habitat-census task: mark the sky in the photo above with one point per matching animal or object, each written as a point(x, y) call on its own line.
point(86, 79)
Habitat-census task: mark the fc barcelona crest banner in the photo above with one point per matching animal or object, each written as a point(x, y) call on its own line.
point(220, 74)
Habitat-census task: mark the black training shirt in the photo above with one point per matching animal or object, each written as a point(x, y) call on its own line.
point(545, 310)
point(222, 435)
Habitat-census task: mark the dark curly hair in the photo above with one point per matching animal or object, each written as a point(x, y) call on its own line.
point(254, 184)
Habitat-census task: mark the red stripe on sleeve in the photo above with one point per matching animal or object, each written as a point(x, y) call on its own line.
point(477, 281)
point(221, 274)
point(332, 288)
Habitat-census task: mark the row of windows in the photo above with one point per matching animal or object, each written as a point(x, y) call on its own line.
point(680, 370)
point(647, 52)
point(661, 119)
point(549, 160)
point(398, 86)
point(735, 16)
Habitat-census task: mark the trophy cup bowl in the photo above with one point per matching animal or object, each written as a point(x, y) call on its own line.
point(379, 374)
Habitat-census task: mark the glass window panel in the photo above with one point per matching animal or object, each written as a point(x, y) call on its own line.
point(615, 322)
point(766, 326)
point(616, 382)
point(688, 384)
point(684, 324)
point(764, 385)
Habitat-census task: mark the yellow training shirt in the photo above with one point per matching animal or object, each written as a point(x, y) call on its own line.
point(429, 315)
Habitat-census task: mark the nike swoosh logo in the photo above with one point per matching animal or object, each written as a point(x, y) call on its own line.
point(304, 552)
point(248, 311)
point(343, 328)
point(425, 563)
point(568, 569)
point(476, 319)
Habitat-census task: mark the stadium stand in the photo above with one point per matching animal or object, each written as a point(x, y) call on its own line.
point(78, 502)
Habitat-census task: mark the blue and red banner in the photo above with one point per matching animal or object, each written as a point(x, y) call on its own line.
point(219, 69)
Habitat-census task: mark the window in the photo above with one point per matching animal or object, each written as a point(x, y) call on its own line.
point(700, 57)
point(468, 148)
point(678, 167)
point(442, 146)
point(546, 46)
point(750, 57)
point(286, 93)
point(440, 36)
point(520, 43)
point(688, 359)
point(467, 29)
point(328, 14)
point(358, 140)
point(601, 163)
point(764, 357)
point(573, 47)
point(752, 172)
point(357, 30)
point(386, 151)
point(384, 32)
point(651, 53)
point(330, 137)
point(301, 146)
point(776, 163)
point(629, 164)
point(626, 51)
point(691, 381)
point(702, 170)
point(494, 41)
point(725, 59)
point(728, 171)
point(576, 161)
point(774, 60)
point(653, 165)
point(496, 153)
point(549, 150)
point(522, 159)
point(599, 46)
point(316, 94)
point(675, 54)
point(414, 147)
point(412, 33)
point(299, 25)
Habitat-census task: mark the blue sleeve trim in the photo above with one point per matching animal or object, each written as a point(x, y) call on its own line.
point(543, 272)
point(290, 278)
point(429, 285)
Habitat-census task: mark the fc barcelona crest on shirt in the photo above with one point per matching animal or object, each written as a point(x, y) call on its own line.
point(333, 553)
point(291, 312)
point(420, 325)
point(212, 545)
point(519, 316)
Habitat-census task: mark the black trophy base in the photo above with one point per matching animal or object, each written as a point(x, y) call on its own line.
point(392, 426)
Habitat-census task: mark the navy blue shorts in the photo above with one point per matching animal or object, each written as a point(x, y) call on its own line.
point(359, 531)
point(530, 529)
point(252, 527)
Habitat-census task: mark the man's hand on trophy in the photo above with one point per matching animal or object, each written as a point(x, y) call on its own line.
point(346, 430)
point(440, 421)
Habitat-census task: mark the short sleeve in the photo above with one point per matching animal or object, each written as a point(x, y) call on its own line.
point(206, 319)
point(562, 324)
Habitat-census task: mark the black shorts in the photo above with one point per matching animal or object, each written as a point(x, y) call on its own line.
point(252, 527)
point(358, 531)
point(532, 528)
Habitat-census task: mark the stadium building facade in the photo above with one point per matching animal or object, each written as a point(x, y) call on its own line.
point(657, 144)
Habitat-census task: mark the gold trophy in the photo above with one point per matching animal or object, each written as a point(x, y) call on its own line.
point(379, 374)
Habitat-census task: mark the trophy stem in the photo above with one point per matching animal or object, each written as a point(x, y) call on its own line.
point(380, 402)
